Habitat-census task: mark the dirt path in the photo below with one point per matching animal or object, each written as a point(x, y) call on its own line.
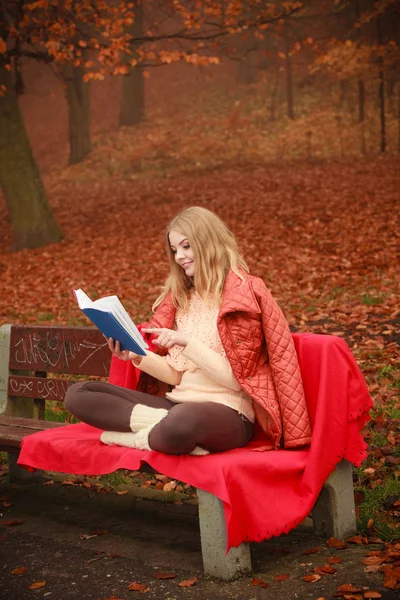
point(137, 538)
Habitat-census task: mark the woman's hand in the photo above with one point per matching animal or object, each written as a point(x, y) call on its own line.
point(121, 354)
point(167, 337)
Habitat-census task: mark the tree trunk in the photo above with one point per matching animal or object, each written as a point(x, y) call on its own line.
point(381, 91)
point(274, 95)
point(32, 221)
point(361, 113)
point(391, 85)
point(19, 85)
point(246, 70)
point(78, 97)
point(361, 86)
point(289, 78)
point(382, 116)
point(245, 74)
point(132, 110)
point(398, 114)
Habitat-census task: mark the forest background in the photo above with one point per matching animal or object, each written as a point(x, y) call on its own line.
point(282, 117)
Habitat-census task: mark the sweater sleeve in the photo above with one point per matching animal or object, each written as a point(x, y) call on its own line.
point(215, 365)
point(157, 366)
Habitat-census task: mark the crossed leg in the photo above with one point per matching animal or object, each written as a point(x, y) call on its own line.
point(184, 427)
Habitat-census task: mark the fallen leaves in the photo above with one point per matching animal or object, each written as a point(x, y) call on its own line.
point(6, 501)
point(348, 588)
point(373, 560)
point(144, 587)
point(138, 587)
point(312, 578)
point(385, 561)
point(311, 551)
point(188, 582)
point(391, 438)
point(325, 570)
point(12, 523)
point(357, 539)
point(260, 582)
point(37, 585)
point(332, 542)
point(358, 262)
point(282, 577)
point(334, 560)
point(19, 571)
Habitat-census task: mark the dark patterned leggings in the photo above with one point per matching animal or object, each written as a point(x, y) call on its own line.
point(212, 426)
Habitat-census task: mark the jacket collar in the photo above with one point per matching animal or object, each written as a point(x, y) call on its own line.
point(238, 295)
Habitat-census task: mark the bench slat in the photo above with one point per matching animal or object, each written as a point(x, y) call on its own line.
point(34, 424)
point(13, 430)
point(78, 350)
point(41, 388)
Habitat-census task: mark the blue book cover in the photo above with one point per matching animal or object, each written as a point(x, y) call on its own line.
point(110, 327)
point(111, 318)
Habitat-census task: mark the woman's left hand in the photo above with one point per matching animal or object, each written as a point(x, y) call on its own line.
point(167, 337)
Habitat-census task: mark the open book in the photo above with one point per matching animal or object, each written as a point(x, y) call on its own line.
point(111, 318)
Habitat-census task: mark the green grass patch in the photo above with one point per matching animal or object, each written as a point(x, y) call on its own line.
point(378, 439)
point(371, 300)
point(386, 371)
point(117, 478)
point(376, 505)
point(54, 412)
point(394, 413)
point(45, 317)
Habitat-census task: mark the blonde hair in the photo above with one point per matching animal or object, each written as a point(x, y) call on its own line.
point(215, 252)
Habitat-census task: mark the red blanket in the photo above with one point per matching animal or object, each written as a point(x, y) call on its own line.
point(264, 493)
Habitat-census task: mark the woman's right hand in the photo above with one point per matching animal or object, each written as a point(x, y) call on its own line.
point(122, 354)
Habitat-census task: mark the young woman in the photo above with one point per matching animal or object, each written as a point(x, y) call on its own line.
point(223, 345)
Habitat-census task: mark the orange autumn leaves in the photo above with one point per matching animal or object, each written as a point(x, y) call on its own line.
point(21, 570)
point(134, 586)
point(386, 561)
point(144, 587)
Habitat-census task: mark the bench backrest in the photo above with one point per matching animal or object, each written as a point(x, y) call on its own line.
point(35, 359)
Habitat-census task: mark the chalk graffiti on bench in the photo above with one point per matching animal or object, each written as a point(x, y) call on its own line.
point(54, 389)
point(55, 350)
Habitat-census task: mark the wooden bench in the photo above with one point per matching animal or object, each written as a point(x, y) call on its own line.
point(34, 363)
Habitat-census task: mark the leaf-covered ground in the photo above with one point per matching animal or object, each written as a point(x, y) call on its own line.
point(324, 235)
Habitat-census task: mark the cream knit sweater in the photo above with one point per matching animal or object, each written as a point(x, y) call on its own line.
point(200, 372)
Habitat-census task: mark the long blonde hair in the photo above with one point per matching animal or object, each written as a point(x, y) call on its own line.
point(215, 252)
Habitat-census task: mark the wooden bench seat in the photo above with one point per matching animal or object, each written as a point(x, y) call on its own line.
point(38, 363)
point(14, 429)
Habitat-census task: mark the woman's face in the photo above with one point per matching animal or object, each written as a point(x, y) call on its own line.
point(182, 252)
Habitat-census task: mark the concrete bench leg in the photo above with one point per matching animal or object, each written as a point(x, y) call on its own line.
point(213, 541)
point(334, 512)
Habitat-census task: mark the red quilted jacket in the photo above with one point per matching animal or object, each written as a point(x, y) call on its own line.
point(260, 349)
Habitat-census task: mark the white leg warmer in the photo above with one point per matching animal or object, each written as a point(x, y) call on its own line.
point(139, 440)
point(142, 421)
point(199, 451)
point(143, 416)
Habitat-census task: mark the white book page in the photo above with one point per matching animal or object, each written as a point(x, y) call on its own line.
point(125, 320)
point(113, 305)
